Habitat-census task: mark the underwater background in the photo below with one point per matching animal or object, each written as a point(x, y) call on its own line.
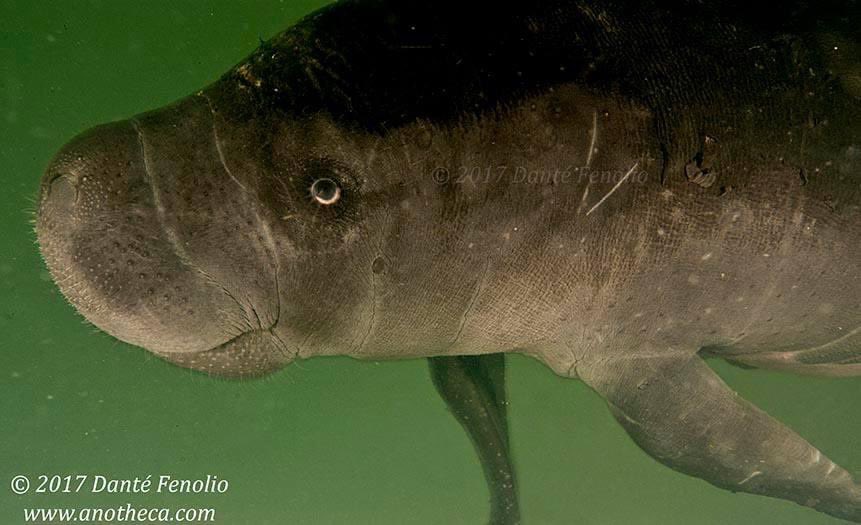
point(325, 441)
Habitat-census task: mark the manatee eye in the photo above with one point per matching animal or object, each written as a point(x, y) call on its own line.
point(326, 191)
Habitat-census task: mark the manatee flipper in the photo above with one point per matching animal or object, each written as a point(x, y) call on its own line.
point(473, 387)
point(682, 414)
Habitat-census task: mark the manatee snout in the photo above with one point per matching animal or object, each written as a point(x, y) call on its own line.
point(112, 245)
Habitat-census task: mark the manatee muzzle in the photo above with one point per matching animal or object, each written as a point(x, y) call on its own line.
point(136, 228)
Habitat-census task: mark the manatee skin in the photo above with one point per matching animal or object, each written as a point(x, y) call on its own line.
point(615, 190)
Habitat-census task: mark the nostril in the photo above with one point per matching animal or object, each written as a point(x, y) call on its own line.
point(60, 192)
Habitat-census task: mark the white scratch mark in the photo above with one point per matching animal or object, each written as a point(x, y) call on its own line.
point(589, 161)
point(753, 474)
point(169, 231)
point(594, 138)
point(217, 141)
point(612, 191)
point(827, 345)
point(583, 199)
point(631, 420)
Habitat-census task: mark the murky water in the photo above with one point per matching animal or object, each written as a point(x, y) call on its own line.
point(327, 440)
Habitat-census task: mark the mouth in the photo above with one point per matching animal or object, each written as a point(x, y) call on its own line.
point(252, 354)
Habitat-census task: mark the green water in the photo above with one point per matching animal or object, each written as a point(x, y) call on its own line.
point(324, 441)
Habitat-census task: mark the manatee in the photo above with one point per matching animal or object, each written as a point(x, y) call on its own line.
point(618, 191)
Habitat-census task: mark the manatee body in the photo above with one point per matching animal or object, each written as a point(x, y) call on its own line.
point(615, 190)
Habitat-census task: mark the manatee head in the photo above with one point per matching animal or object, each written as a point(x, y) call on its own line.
point(226, 245)
point(285, 211)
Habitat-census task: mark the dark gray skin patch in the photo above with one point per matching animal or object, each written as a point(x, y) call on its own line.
point(588, 185)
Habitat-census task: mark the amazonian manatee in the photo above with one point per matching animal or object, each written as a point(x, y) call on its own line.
point(617, 190)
